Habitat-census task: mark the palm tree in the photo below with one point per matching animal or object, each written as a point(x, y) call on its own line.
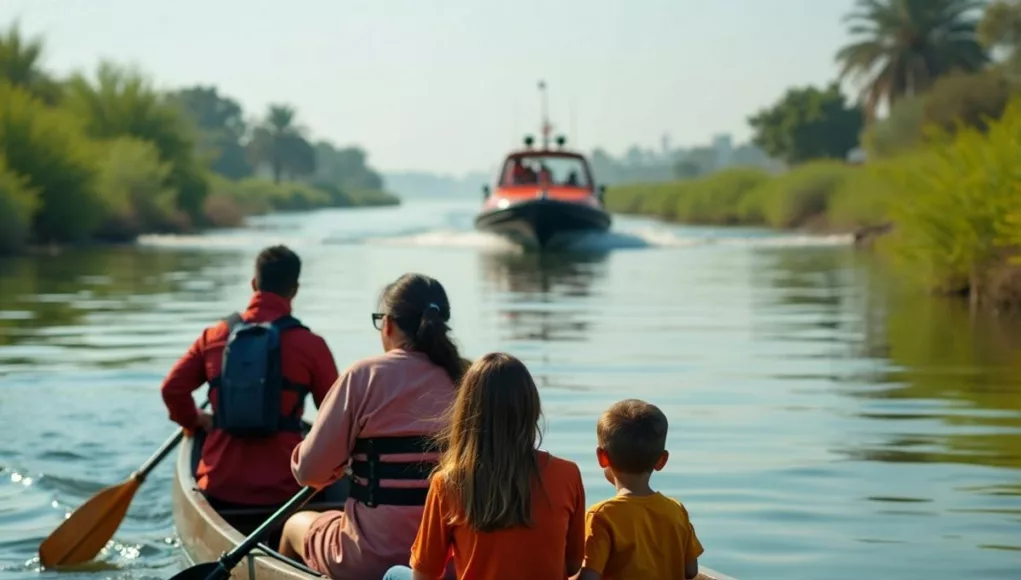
point(20, 60)
point(281, 143)
point(902, 46)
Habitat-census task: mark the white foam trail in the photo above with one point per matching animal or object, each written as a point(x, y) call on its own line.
point(616, 239)
point(446, 238)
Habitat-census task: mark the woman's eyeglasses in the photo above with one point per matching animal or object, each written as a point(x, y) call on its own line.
point(377, 320)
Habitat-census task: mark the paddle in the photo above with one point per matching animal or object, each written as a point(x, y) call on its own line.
point(220, 570)
point(84, 533)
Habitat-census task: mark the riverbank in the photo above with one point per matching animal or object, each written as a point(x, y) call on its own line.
point(948, 212)
point(108, 156)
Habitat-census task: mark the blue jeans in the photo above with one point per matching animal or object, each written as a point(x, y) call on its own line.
point(398, 573)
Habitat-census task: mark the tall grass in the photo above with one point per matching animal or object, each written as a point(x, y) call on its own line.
point(823, 194)
point(957, 212)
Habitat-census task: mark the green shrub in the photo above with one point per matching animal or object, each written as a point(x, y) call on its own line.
point(122, 102)
point(47, 148)
point(803, 193)
point(713, 199)
point(222, 209)
point(900, 131)
point(954, 100)
point(959, 196)
point(132, 181)
point(861, 199)
point(18, 201)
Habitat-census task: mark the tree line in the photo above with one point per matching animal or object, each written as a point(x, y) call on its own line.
point(106, 156)
point(926, 61)
point(937, 175)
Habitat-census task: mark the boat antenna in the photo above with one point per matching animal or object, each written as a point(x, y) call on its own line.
point(545, 116)
point(571, 130)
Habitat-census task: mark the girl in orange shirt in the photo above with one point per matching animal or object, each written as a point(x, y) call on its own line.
point(499, 505)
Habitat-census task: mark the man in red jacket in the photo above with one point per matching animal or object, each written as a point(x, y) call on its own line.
point(259, 366)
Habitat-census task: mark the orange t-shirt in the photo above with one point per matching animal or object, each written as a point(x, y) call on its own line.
point(636, 537)
point(540, 552)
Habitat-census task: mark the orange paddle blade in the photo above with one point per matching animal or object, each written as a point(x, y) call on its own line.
point(84, 533)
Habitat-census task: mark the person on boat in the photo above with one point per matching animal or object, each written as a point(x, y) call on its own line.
point(256, 391)
point(545, 176)
point(503, 507)
point(638, 533)
point(380, 419)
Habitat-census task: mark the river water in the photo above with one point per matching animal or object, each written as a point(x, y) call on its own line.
point(825, 423)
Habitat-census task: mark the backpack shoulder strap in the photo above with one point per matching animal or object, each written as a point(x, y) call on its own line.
point(233, 319)
point(288, 322)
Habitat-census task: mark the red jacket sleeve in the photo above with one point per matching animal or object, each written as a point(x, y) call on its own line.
point(187, 375)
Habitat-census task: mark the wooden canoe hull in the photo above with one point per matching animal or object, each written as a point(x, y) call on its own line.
point(205, 535)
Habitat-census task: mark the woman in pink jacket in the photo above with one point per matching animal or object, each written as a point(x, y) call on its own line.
point(379, 420)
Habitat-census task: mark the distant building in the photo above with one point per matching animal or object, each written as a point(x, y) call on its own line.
point(724, 146)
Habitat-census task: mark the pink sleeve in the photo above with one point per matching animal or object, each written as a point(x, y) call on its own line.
point(321, 457)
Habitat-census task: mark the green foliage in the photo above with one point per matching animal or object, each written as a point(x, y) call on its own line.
point(970, 100)
point(220, 123)
point(900, 131)
point(713, 199)
point(279, 142)
point(1000, 28)
point(795, 198)
point(20, 65)
point(18, 201)
point(902, 46)
point(346, 168)
point(808, 123)
point(821, 194)
point(955, 100)
point(121, 102)
point(133, 181)
point(46, 147)
point(957, 221)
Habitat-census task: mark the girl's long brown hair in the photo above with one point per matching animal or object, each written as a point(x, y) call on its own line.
point(489, 459)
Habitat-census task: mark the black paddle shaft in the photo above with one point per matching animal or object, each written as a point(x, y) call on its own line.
point(161, 453)
point(221, 570)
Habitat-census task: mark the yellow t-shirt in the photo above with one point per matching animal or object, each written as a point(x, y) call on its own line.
point(640, 537)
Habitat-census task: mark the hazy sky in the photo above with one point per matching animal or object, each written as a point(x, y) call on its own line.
point(449, 85)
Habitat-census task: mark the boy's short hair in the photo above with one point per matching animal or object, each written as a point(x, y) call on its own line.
point(633, 435)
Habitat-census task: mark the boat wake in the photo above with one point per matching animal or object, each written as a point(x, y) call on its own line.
point(618, 240)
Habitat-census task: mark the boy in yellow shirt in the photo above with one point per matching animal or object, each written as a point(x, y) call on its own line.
point(639, 533)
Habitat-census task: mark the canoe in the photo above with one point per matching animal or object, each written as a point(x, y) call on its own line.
point(206, 534)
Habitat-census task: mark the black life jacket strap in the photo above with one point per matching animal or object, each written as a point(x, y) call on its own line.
point(372, 470)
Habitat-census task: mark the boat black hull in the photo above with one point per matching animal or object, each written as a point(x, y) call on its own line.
point(543, 221)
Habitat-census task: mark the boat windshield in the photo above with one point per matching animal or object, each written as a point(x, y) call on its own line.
point(561, 170)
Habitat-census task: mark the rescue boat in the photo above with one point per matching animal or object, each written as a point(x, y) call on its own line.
point(543, 196)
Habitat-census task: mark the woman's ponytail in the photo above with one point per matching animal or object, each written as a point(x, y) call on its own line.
point(433, 340)
point(418, 305)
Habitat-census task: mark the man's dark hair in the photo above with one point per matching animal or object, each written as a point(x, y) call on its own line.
point(633, 434)
point(276, 270)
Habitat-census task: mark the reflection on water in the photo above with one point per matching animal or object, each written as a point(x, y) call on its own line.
point(542, 297)
point(824, 422)
point(43, 298)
